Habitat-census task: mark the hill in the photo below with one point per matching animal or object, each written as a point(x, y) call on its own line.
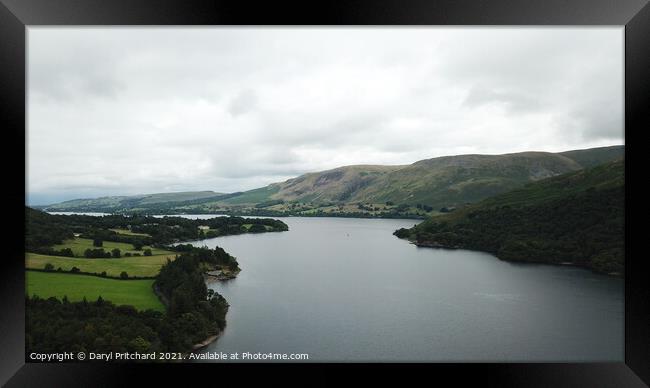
point(592, 157)
point(575, 218)
point(420, 188)
point(143, 201)
point(448, 181)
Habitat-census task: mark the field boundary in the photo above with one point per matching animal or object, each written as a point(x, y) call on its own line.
point(93, 274)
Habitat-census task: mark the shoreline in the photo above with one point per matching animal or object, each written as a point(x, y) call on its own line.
point(201, 345)
point(252, 215)
point(434, 245)
point(208, 278)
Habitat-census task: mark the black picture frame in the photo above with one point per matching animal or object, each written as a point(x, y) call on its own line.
point(16, 15)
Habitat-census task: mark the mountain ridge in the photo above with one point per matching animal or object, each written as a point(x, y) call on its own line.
point(447, 181)
point(437, 182)
point(144, 199)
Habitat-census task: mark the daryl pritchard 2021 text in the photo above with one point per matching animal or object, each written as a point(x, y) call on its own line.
point(125, 356)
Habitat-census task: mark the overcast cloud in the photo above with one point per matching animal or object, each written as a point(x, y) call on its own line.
point(122, 111)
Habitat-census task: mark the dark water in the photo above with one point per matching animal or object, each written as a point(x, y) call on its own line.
point(346, 289)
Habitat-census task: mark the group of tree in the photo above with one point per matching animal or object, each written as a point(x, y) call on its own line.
point(215, 256)
point(426, 208)
point(65, 252)
point(46, 230)
point(42, 230)
point(49, 267)
point(98, 253)
point(53, 326)
point(115, 253)
point(402, 212)
point(576, 218)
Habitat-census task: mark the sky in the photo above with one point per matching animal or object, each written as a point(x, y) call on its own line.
point(124, 111)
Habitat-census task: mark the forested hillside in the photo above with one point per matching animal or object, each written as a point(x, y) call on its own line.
point(574, 218)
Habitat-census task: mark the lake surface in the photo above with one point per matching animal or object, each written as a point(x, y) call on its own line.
point(342, 289)
point(99, 214)
point(94, 214)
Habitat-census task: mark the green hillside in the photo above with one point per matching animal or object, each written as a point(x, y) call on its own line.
point(117, 203)
point(443, 182)
point(594, 156)
point(251, 196)
point(574, 218)
point(448, 181)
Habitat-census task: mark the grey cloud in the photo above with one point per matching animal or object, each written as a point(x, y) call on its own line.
point(552, 71)
point(136, 110)
point(245, 102)
point(512, 100)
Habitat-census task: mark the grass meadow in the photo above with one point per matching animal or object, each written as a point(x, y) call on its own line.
point(134, 266)
point(137, 293)
point(79, 245)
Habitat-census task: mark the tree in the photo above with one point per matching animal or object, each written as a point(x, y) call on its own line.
point(181, 302)
point(75, 270)
point(98, 242)
point(139, 345)
point(147, 252)
point(402, 233)
point(257, 228)
point(49, 267)
point(116, 253)
point(66, 252)
point(137, 245)
point(124, 275)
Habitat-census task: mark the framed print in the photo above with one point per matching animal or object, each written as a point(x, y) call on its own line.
point(431, 188)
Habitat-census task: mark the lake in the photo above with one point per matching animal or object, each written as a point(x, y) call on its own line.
point(344, 289)
point(94, 214)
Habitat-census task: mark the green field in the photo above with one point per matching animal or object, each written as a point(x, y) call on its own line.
point(129, 233)
point(134, 266)
point(137, 293)
point(79, 245)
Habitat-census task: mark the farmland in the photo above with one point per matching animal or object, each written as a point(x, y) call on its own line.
point(141, 266)
point(137, 293)
point(79, 245)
